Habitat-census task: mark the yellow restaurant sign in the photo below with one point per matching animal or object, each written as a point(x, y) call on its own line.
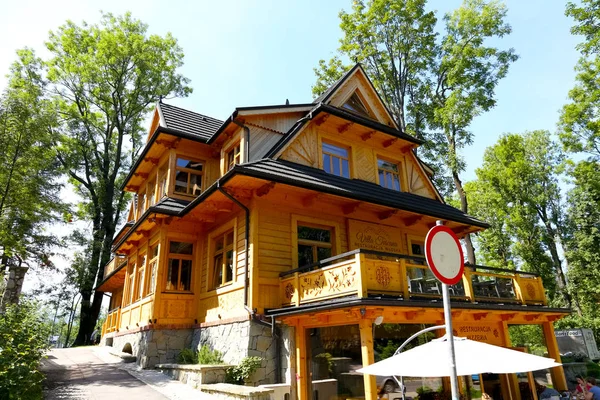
point(364, 235)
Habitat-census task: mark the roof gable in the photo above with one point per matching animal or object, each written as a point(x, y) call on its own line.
point(201, 126)
point(356, 82)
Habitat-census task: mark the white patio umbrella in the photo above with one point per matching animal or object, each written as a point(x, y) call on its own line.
point(430, 360)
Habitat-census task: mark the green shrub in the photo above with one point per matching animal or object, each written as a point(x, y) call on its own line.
point(187, 356)
point(239, 374)
point(593, 369)
point(23, 342)
point(208, 356)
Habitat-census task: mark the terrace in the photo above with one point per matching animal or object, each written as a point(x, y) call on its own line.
point(367, 274)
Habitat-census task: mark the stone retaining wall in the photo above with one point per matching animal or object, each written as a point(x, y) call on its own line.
point(195, 374)
point(226, 391)
point(237, 340)
point(154, 346)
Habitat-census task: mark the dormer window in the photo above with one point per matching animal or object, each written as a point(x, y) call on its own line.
point(389, 174)
point(188, 176)
point(233, 156)
point(355, 104)
point(336, 160)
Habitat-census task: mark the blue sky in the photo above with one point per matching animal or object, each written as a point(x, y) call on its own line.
point(241, 53)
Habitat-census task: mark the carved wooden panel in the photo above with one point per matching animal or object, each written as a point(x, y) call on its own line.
point(416, 181)
point(303, 149)
point(223, 306)
point(383, 277)
point(366, 165)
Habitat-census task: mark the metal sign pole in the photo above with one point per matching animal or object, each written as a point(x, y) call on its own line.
point(450, 338)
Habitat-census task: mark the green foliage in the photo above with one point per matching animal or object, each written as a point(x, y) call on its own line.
point(208, 356)
point(29, 175)
point(102, 81)
point(593, 369)
point(434, 84)
point(204, 356)
point(23, 342)
point(240, 374)
point(383, 352)
point(187, 356)
point(517, 191)
point(529, 336)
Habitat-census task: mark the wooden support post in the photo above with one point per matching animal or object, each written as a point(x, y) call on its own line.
point(512, 381)
point(301, 367)
point(404, 279)
point(468, 285)
point(368, 357)
point(297, 286)
point(559, 381)
point(363, 278)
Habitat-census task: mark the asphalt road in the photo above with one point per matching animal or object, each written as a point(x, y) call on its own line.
point(78, 374)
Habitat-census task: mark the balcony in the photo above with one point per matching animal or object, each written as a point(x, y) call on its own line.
point(366, 273)
point(112, 321)
point(113, 264)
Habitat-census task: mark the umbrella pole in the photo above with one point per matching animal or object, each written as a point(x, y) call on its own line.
point(450, 339)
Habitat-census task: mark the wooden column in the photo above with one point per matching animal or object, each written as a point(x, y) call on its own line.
point(512, 380)
point(368, 357)
point(404, 279)
point(301, 367)
point(558, 374)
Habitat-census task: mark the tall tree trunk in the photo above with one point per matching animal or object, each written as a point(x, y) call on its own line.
point(561, 280)
point(464, 206)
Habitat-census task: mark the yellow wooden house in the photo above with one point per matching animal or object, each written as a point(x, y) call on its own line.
point(291, 232)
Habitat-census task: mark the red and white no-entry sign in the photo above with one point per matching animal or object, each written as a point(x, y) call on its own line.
point(444, 255)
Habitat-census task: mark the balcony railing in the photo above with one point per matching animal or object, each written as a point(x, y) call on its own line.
point(113, 264)
point(367, 273)
point(112, 321)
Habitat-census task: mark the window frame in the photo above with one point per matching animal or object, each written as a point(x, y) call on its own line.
point(413, 239)
point(177, 256)
point(190, 172)
point(140, 275)
point(303, 220)
point(212, 239)
point(130, 289)
point(231, 150)
point(152, 264)
point(348, 148)
point(400, 174)
point(369, 112)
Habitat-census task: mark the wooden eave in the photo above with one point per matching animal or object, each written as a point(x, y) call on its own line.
point(115, 281)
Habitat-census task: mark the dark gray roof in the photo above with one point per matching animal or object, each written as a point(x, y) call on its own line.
point(325, 95)
point(315, 179)
point(169, 206)
point(188, 121)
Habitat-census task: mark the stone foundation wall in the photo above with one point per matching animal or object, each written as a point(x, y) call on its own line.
point(13, 283)
point(155, 346)
point(238, 340)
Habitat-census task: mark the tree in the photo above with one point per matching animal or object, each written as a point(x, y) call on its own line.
point(435, 88)
point(29, 184)
point(518, 183)
point(103, 79)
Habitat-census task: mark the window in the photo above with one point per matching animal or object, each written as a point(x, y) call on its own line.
point(417, 248)
point(188, 177)
point(131, 286)
point(389, 174)
point(153, 265)
point(233, 157)
point(162, 181)
point(151, 193)
point(336, 160)
point(355, 105)
point(141, 272)
point(179, 273)
point(314, 244)
point(223, 259)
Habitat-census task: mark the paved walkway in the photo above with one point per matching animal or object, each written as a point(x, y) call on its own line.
point(91, 373)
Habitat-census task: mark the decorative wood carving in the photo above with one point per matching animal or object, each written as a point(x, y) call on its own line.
point(265, 189)
point(321, 119)
point(532, 317)
point(383, 276)
point(345, 127)
point(389, 142)
point(311, 199)
point(142, 175)
point(387, 214)
point(350, 207)
point(154, 161)
point(508, 317)
point(172, 144)
point(410, 221)
point(479, 316)
point(218, 206)
point(367, 136)
point(131, 188)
